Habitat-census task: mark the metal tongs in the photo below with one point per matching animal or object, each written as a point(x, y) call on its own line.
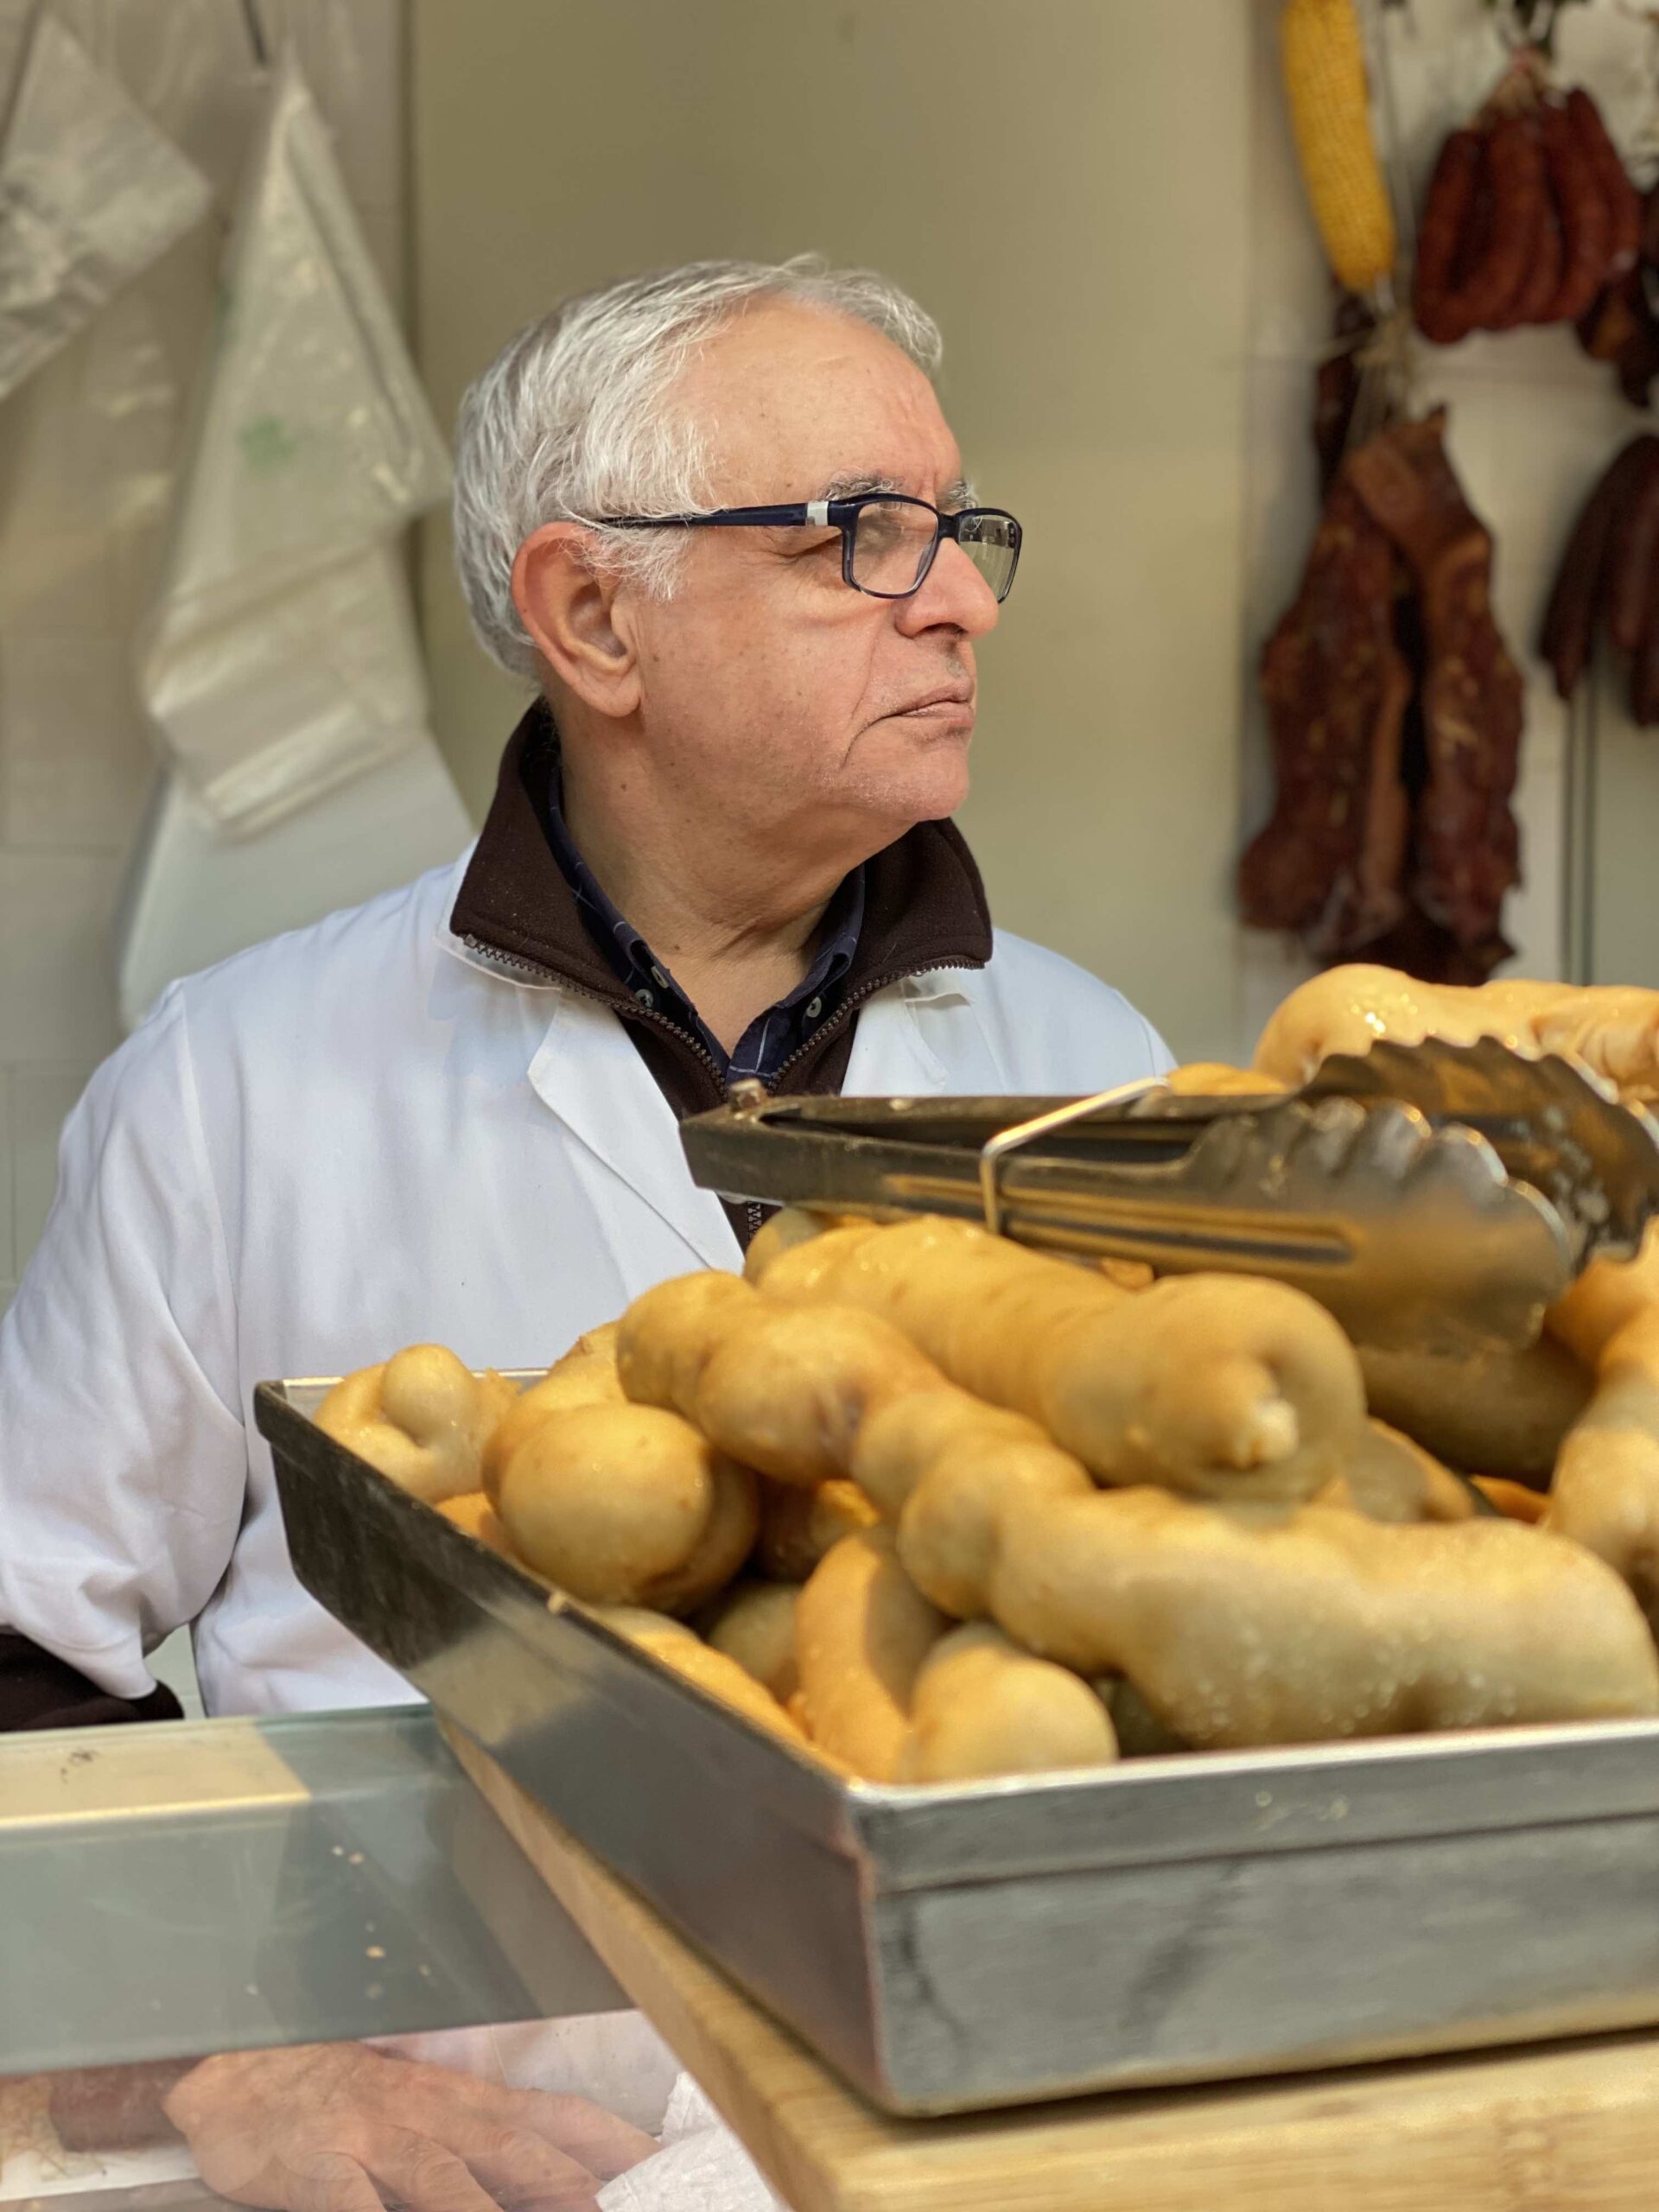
point(1435, 1196)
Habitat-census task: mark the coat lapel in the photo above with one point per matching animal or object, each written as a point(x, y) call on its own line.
point(587, 1072)
point(891, 1058)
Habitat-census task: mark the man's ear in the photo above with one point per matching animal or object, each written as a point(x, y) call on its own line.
point(572, 612)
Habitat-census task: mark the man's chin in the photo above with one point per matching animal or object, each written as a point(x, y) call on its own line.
point(924, 773)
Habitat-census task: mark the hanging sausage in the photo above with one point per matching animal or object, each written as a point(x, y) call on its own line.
point(1529, 215)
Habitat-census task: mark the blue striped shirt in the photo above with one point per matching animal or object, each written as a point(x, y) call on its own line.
point(773, 1037)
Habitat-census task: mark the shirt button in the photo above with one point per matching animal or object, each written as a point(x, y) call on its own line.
point(658, 976)
point(645, 1000)
point(814, 1008)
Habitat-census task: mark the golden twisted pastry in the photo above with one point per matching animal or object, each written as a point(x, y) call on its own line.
point(615, 1503)
point(677, 1648)
point(1271, 1409)
point(1605, 1493)
point(753, 1623)
point(422, 1417)
point(890, 1687)
point(797, 1526)
point(1584, 1404)
point(624, 1504)
point(585, 1375)
point(1238, 1625)
point(707, 1348)
point(1255, 1625)
point(1612, 1028)
point(1252, 1624)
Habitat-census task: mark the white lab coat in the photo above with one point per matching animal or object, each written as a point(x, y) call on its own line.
point(356, 1137)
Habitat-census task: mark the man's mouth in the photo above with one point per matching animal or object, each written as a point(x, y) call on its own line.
point(949, 696)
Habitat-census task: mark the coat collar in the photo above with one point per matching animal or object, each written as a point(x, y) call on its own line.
point(515, 916)
point(515, 913)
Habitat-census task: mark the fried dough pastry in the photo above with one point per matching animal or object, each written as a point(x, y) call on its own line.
point(890, 1688)
point(586, 1375)
point(783, 1389)
point(625, 1504)
point(982, 1706)
point(947, 1469)
point(675, 1646)
point(1606, 1295)
point(1605, 1491)
point(753, 1623)
point(1506, 1413)
point(422, 1417)
point(788, 1386)
point(789, 1226)
point(861, 1631)
point(670, 1333)
point(797, 1527)
point(1257, 1624)
point(1612, 1028)
point(475, 1516)
point(1216, 1386)
point(1215, 1080)
point(1253, 1624)
point(1606, 1494)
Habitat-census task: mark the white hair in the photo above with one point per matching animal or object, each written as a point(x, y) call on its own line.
point(569, 423)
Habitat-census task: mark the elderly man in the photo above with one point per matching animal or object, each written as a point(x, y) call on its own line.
point(717, 518)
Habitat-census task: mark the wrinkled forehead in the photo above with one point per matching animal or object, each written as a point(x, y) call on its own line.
point(797, 404)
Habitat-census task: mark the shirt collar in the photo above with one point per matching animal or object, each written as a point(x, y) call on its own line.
point(924, 905)
point(652, 985)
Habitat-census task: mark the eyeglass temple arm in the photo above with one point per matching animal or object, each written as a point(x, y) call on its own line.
point(780, 518)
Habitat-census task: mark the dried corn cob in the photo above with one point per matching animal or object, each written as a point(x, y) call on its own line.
point(1323, 62)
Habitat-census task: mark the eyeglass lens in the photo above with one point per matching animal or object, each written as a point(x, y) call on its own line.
point(892, 545)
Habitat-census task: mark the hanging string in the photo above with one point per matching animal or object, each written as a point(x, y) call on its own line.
point(256, 33)
point(1524, 23)
point(1382, 354)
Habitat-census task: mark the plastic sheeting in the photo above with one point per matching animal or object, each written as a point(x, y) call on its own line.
point(90, 194)
point(277, 702)
point(281, 657)
point(193, 897)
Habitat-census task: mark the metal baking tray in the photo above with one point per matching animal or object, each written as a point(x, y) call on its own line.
point(952, 1949)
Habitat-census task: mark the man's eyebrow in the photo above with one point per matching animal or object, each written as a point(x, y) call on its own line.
point(961, 493)
point(851, 486)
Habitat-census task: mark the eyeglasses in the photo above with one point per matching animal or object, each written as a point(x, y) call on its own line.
point(889, 542)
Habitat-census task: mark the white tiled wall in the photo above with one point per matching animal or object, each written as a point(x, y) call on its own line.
point(86, 452)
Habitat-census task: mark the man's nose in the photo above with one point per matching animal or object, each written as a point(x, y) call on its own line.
point(954, 594)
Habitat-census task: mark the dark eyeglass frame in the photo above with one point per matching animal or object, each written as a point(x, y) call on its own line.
point(842, 515)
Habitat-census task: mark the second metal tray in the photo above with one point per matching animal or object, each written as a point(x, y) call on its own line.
point(1168, 1920)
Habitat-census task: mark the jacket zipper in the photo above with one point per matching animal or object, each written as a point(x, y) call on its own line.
point(634, 1009)
point(635, 1012)
point(754, 1211)
point(850, 1005)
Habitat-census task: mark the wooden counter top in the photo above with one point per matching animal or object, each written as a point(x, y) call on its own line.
point(1559, 2127)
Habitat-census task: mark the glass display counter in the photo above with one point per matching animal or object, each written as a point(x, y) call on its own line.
point(175, 1891)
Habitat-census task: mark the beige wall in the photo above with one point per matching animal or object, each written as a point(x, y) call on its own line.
point(1065, 183)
